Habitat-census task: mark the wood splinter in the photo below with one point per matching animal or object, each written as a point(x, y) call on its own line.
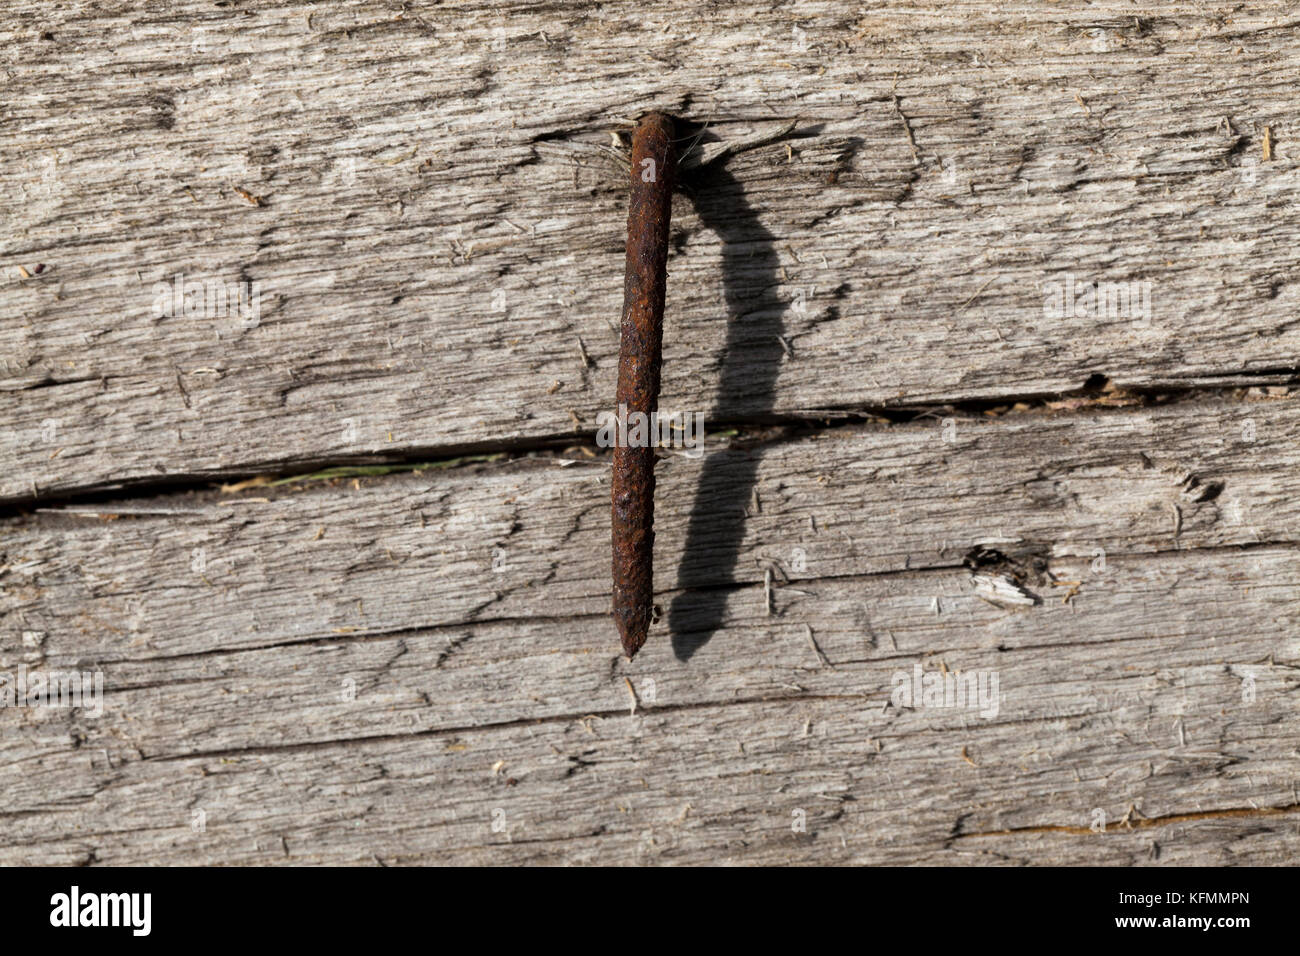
point(654, 163)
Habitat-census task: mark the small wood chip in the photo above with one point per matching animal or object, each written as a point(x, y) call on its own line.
point(255, 200)
point(631, 692)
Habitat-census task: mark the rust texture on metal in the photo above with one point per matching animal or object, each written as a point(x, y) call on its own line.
point(654, 164)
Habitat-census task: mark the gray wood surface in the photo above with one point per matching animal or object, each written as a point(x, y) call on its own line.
point(911, 462)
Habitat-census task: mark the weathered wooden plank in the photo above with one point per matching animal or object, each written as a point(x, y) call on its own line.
point(394, 730)
point(442, 548)
point(1169, 744)
point(1172, 612)
point(437, 272)
point(419, 668)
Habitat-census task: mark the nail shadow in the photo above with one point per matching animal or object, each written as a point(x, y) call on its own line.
point(747, 388)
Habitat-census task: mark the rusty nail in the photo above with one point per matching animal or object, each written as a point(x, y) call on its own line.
point(654, 163)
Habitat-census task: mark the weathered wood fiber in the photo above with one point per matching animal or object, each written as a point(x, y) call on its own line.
point(419, 667)
point(440, 548)
point(420, 192)
point(341, 674)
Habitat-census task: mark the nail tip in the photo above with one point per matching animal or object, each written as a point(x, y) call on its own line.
point(632, 640)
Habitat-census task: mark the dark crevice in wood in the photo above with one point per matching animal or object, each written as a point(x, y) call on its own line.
point(753, 431)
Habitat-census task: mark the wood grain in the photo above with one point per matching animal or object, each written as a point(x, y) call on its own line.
point(382, 669)
point(436, 233)
point(915, 464)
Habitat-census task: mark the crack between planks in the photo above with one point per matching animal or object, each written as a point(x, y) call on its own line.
point(787, 427)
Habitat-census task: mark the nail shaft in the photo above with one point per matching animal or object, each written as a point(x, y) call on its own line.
point(654, 164)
